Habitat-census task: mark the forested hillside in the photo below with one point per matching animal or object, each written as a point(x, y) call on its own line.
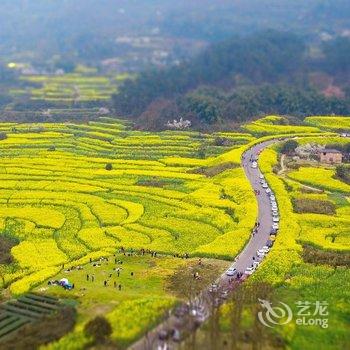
point(268, 72)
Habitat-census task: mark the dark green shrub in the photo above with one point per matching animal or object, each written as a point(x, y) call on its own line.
point(109, 166)
point(99, 329)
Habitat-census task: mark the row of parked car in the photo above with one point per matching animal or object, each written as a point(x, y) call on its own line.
point(273, 203)
point(274, 229)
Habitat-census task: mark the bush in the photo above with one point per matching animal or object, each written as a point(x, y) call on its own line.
point(3, 136)
point(289, 147)
point(343, 173)
point(109, 166)
point(316, 206)
point(99, 329)
point(6, 244)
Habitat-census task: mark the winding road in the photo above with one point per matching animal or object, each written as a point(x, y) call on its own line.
point(244, 260)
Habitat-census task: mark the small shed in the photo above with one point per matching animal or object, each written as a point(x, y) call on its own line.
point(330, 156)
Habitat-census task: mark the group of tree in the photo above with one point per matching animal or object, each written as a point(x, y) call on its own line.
point(237, 79)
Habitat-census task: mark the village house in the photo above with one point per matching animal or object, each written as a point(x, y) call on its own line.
point(330, 156)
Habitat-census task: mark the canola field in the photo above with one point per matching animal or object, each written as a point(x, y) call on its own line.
point(309, 260)
point(71, 193)
point(82, 85)
point(61, 203)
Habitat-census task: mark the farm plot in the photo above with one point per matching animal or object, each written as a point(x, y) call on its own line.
point(70, 87)
point(273, 125)
point(19, 312)
point(330, 123)
point(70, 190)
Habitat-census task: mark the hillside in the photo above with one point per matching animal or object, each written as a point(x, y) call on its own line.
point(241, 78)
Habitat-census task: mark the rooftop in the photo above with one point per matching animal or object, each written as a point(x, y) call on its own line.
point(330, 150)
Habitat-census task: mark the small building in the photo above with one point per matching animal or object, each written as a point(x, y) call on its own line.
point(330, 156)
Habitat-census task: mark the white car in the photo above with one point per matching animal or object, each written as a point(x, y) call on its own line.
point(264, 185)
point(274, 208)
point(249, 270)
point(256, 264)
point(231, 271)
point(275, 226)
point(275, 213)
point(276, 219)
point(260, 253)
point(272, 197)
point(261, 176)
point(268, 190)
point(213, 288)
point(274, 203)
point(254, 165)
point(265, 249)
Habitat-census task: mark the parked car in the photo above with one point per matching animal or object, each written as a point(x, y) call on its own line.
point(249, 270)
point(224, 294)
point(181, 310)
point(274, 203)
point(269, 243)
point(275, 213)
point(163, 335)
point(275, 226)
point(265, 249)
point(261, 176)
point(176, 335)
point(275, 219)
point(272, 197)
point(231, 271)
point(213, 288)
point(274, 208)
point(254, 165)
point(273, 231)
point(256, 264)
point(268, 190)
point(265, 185)
point(260, 253)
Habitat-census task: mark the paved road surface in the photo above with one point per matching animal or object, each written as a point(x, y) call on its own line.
point(244, 260)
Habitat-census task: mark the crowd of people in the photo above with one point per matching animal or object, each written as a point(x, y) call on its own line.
point(112, 279)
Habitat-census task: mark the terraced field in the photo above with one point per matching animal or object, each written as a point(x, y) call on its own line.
point(58, 198)
point(29, 308)
point(72, 193)
point(79, 86)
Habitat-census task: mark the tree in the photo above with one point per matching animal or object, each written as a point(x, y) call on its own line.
point(343, 173)
point(109, 166)
point(289, 147)
point(99, 329)
point(3, 136)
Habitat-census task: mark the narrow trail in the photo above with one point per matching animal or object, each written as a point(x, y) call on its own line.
point(242, 261)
